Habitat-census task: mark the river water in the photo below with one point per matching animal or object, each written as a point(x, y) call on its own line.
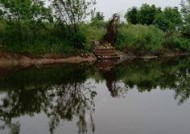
point(134, 97)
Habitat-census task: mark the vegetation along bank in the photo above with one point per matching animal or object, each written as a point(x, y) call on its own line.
point(35, 29)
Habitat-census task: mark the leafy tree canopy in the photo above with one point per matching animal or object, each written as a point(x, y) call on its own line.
point(169, 19)
point(186, 16)
point(71, 13)
point(27, 10)
point(132, 15)
point(186, 11)
point(24, 16)
point(144, 15)
point(147, 14)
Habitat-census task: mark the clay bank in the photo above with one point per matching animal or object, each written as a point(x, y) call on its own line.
point(13, 59)
point(9, 59)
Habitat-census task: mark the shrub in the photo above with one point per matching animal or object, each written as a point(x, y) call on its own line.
point(93, 32)
point(48, 40)
point(140, 37)
point(177, 41)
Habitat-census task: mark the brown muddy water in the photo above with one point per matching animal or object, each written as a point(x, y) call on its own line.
point(138, 97)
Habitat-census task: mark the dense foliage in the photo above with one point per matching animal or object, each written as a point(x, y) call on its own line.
point(167, 19)
point(186, 17)
point(140, 37)
point(25, 17)
point(64, 26)
point(71, 13)
point(173, 22)
point(32, 26)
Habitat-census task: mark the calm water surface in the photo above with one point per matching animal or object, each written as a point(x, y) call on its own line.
point(139, 97)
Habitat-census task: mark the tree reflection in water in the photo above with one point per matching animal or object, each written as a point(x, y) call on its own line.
point(173, 74)
point(182, 88)
point(163, 74)
point(113, 84)
point(67, 95)
point(68, 101)
point(64, 93)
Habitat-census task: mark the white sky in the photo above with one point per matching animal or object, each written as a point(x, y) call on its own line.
point(109, 7)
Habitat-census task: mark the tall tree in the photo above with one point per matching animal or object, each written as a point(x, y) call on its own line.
point(169, 19)
point(22, 15)
point(97, 19)
point(98, 16)
point(132, 16)
point(144, 15)
point(186, 16)
point(147, 14)
point(186, 10)
point(71, 13)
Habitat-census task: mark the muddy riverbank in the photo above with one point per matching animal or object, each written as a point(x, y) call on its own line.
point(9, 59)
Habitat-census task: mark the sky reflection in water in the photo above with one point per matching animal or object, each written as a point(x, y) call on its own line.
point(135, 97)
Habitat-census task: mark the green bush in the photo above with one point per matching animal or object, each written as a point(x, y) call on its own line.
point(93, 32)
point(140, 37)
point(47, 40)
point(186, 31)
point(178, 42)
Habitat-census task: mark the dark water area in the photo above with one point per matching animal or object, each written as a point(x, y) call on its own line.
point(134, 97)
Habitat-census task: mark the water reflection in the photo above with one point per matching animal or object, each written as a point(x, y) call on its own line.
point(172, 74)
point(61, 94)
point(66, 92)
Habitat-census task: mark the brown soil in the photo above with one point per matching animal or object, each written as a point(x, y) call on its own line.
point(165, 52)
point(8, 59)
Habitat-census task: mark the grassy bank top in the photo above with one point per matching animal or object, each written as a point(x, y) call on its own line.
point(31, 27)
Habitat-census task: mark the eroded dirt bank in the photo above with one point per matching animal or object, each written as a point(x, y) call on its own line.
point(8, 59)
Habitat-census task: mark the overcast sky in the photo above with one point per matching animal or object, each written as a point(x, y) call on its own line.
point(108, 7)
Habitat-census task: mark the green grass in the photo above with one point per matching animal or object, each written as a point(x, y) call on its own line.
point(140, 37)
point(92, 33)
point(53, 39)
point(46, 40)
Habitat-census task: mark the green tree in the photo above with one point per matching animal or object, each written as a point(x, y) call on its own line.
point(144, 15)
point(132, 16)
point(186, 16)
point(147, 13)
point(71, 14)
point(98, 19)
point(186, 10)
point(98, 16)
point(24, 16)
point(1, 14)
point(169, 19)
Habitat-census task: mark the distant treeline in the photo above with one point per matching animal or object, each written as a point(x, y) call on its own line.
point(60, 26)
point(151, 28)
